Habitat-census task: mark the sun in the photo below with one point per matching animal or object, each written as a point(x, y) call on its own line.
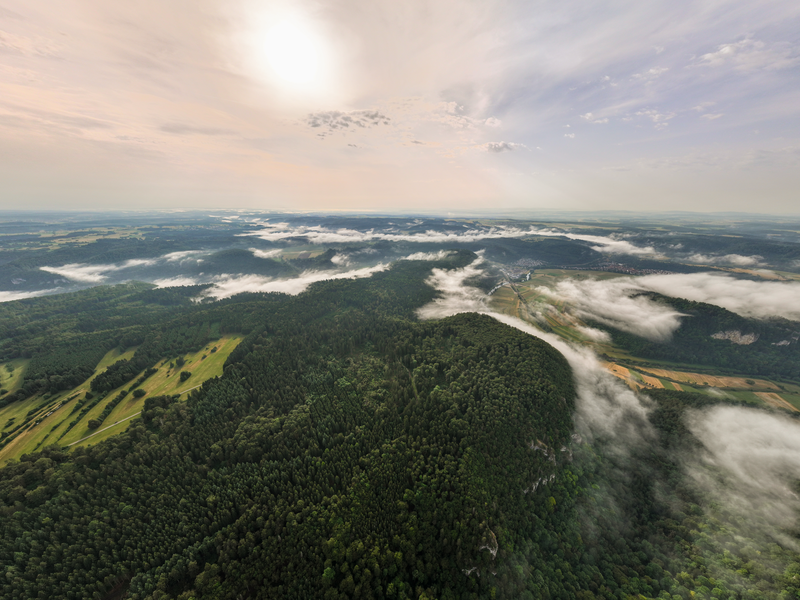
point(294, 52)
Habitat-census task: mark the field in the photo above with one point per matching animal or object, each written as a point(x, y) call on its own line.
point(52, 415)
point(52, 239)
point(11, 373)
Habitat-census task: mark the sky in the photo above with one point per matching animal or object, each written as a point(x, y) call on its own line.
point(420, 105)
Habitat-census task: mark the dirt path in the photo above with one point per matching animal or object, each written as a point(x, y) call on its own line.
point(122, 421)
point(103, 429)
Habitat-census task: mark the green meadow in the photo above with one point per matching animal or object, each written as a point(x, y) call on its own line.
point(52, 416)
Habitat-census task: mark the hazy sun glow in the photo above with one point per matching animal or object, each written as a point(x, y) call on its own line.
point(294, 52)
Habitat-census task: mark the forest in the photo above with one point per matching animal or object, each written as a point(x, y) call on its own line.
point(351, 451)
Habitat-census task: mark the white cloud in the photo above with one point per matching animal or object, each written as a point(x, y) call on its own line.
point(728, 259)
point(95, 273)
point(615, 303)
point(11, 296)
point(660, 119)
point(266, 253)
point(618, 303)
point(750, 55)
point(320, 235)
point(502, 146)
point(493, 122)
point(759, 299)
point(609, 300)
point(175, 281)
point(225, 286)
point(569, 135)
point(754, 460)
point(440, 255)
point(455, 297)
point(712, 117)
point(182, 256)
point(607, 245)
point(650, 74)
point(592, 118)
point(596, 335)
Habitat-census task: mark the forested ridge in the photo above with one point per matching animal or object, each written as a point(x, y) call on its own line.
point(349, 451)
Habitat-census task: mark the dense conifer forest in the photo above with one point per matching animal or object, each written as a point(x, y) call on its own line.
point(351, 451)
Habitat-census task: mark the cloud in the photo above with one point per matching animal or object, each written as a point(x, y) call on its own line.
point(756, 299)
point(606, 245)
point(266, 253)
point(650, 74)
point(615, 303)
point(728, 259)
point(502, 146)
point(569, 135)
point(176, 281)
point(225, 286)
point(87, 273)
point(596, 335)
point(95, 273)
point(11, 296)
point(594, 118)
point(703, 106)
point(455, 297)
point(335, 120)
point(759, 299)
point(183, 256)
point(440, 255)
point(493, 122)
point(750, 465)
point(321, 235)
point(749, 55)
point(341, 260)
point(660, 119)
point(712, 117)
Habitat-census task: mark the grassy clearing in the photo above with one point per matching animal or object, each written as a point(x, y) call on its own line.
point(165, 382)
point(47, 411)
point(504, 300)
point(11, 373)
